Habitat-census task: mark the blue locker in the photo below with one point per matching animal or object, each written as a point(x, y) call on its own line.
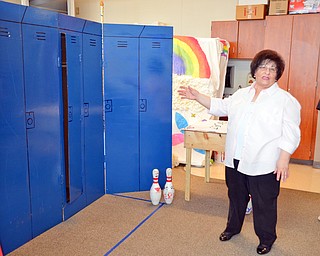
point(93, 111)
point(43, 107)
point(15, 212)
point(70, 32)
point(155, 103)
point(121, 67)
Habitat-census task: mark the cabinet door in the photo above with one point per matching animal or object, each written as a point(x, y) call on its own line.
point(227, 30)
point(303, 76)
point(121, 107)
point(42, 80)
point(155, 109)
point(71, 42)
point(15, 212)
point(93, 119)
point(250, 38)
point(280, 41)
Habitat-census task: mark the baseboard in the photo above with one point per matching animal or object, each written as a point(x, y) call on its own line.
point(299, 161)
point(316, 165)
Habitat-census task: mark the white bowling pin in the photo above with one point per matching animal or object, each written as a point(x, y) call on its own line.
point(155, 190)
point(168, 191)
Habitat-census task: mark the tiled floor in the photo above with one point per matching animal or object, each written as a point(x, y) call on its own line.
point(302, 177)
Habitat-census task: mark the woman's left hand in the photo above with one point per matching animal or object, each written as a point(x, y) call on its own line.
point(282, 167)
point(282, 170)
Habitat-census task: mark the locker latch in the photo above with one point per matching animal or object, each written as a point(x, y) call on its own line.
point(30, 121)
point(70, 114)
point(108, 105)
point(86, 109)
point(143, 105)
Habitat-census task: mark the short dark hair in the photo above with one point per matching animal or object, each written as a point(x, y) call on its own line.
point(268, 55)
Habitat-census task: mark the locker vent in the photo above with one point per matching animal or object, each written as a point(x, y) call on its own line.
point(93, 42)
point(73, 39)
point(122, 44)
point(156, 45)
point(4, 32)
point(41, 36)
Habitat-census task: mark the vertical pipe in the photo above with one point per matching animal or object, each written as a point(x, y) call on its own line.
point(103, 98)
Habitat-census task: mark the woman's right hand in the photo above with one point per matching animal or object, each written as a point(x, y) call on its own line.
point(187, 92)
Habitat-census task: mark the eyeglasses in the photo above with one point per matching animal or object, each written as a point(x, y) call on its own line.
point(271, 69)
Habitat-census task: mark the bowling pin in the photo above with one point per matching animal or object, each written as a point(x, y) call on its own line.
point(155, 190)
point(168, 191)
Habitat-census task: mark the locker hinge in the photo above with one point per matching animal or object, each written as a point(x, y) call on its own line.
point(80, 57)
point(30, 121)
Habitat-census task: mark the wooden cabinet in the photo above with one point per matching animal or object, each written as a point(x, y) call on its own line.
point(297, 39)
point(280, 41)
point(227, 30)
point(303, 72)
point(246, 38)
point(250, 38)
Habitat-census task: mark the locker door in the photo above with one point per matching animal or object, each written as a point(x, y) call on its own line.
point(121, 108)
point(43, 93)
point(15, 212)
point(71, 54)
point(93, 119)
point(155, 108)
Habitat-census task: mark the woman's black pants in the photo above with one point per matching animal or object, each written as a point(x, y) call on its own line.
point(264, 191)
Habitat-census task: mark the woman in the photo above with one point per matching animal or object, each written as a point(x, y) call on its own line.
point(263, 132)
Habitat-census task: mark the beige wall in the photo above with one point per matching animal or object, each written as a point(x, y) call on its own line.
point(13, 1)
point(316, 162)
point(188, 17)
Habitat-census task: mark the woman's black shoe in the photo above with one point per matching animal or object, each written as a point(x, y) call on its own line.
point(225, 236)
point(263, 249)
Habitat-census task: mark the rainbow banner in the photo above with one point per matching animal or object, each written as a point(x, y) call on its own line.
point(200, 63)
point(189, 58)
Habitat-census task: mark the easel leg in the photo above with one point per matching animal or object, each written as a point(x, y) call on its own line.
point(207, 166)
point(188, 174)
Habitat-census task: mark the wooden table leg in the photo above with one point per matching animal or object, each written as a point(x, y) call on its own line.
point(188, 174)
point(207, 166)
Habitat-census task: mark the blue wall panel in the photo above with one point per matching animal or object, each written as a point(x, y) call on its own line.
point(15, 212)
point(93, 112)
point(121, 106)
point(155, 103)
point(43, 95)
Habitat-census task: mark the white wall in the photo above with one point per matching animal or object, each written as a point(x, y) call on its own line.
point(188, 17)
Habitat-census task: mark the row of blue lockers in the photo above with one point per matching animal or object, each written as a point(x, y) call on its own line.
point(79, 116)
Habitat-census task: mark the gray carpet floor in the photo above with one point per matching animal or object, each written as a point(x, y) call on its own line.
point(128, 224)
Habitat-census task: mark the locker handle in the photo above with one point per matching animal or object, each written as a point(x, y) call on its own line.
point(30, 121)
point(86, 109)
point(70, 114)
point(108, 105)
point(143, 105)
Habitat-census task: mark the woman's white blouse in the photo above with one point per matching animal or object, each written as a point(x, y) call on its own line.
point(258, 130)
